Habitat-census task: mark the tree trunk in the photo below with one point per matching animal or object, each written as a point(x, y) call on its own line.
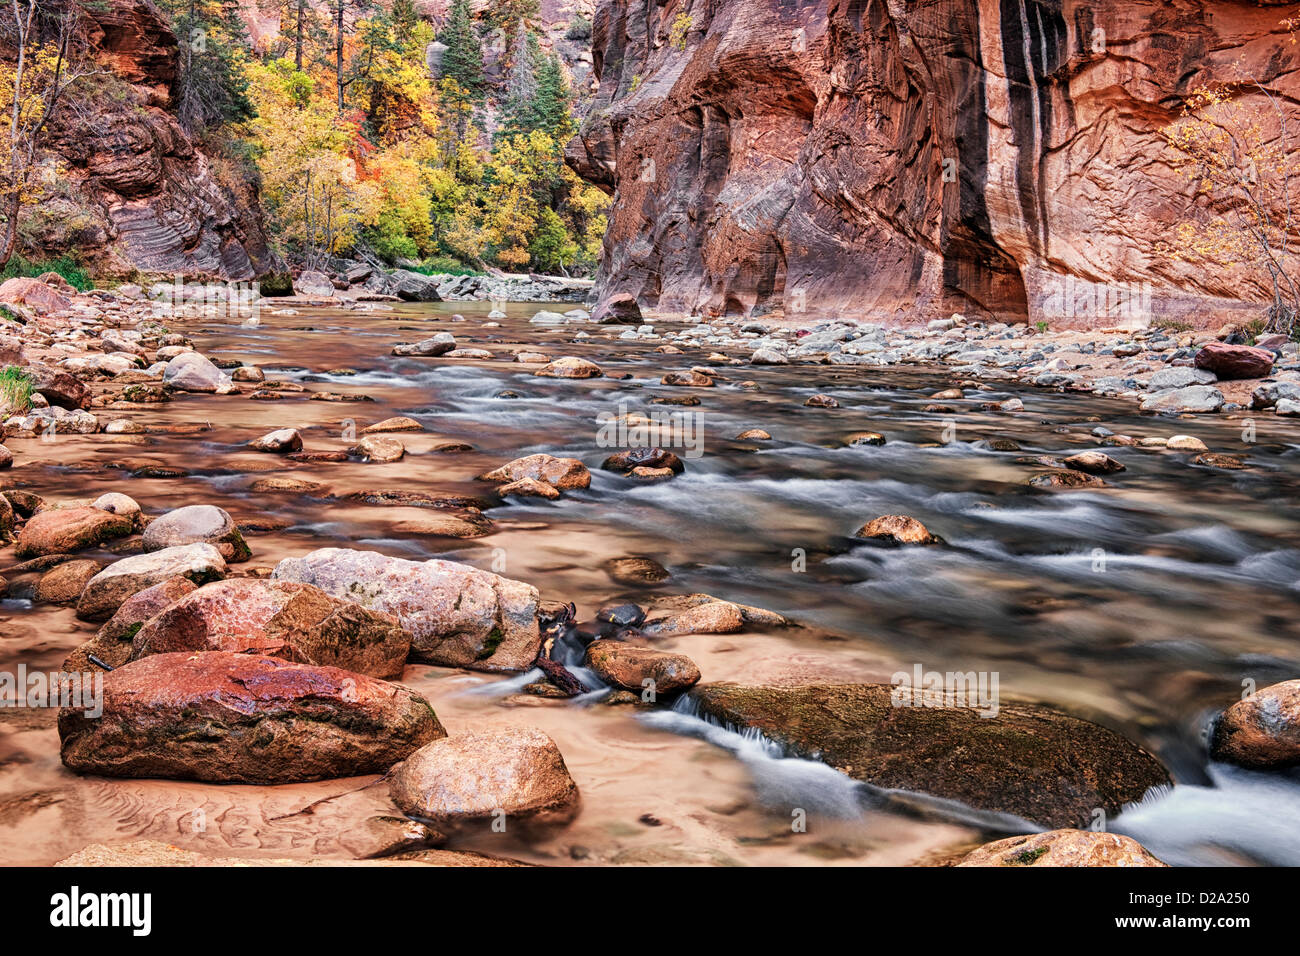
point(338, 52)
point(297, 54)
point(11, 229)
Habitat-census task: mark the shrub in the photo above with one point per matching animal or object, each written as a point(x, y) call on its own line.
point(579, 28)
point(65, 266)
point(15, 390)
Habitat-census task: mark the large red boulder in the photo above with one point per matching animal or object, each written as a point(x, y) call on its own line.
point(220, 716)
point(33, 292)
point(1234, 361)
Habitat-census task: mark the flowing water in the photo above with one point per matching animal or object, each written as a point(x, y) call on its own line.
point(1144, 606)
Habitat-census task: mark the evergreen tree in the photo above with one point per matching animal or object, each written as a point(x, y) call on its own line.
point(404, 20)
point(550, 110)
point(211, 89)
point(463, 59)
point(521, 82)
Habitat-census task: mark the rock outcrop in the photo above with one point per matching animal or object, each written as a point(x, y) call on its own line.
point(890, 160)
point(153, 200)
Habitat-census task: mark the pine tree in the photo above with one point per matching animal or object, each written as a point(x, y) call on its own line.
point(463, 59)
point(404, 20)
point(521, 82)
point(550, 109)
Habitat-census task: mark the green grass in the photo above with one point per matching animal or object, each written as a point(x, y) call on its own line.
point(445, 265)
point(15, 389)
point(65, 266)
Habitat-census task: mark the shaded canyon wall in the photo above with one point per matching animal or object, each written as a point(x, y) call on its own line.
point(899, 160)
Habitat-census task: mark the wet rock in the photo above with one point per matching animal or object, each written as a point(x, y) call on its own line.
point(469, 524)
point(481, 355)
point(6, 458)
point(1268, 394)
point(1185, 443)
point(291, 485)
point(822, 401)
point(119, 504)
point(198, 524)
point(65, 530)
point(532, 358)
point(247, 373)
point(1065, 479)
point(398, 424)
point(107, 590)
point(619, 308)
point(458, 616)
point(465, 781)
point(768, 357)
point(1194, 398)
point(692, 379)
point(439, 344)
point(281, 441)
point(63, 583)
point(621, 615)
point(636, 571)
point(630, 667)
point(1063, 848)
point(1093, 463)
point(1003, 444)
point(864, 438)
point(1286, 406)
point(896, 529)
point(626, 461)
point(225, 717)
point(1031, 761)
point(378, 448)
point(1011, 405)
point(1225, 462)
point(1234, 361)
point(749, 615)
point(570, 367)
point(191, 372)
point(528, 488)
point(754, 434)
point(112, 643)
point(287, 619)
point(1261, 731)
point(710, 617)
point(560, 473)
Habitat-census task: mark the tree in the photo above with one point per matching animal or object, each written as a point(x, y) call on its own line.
point(462, 61)
point(211, 89)
point(1233, 143)
point(33, 88)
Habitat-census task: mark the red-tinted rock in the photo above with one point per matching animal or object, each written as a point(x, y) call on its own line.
point(1234, 361)
point(219, 716)
point(32, 292)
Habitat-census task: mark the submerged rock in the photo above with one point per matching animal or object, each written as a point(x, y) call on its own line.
point(1062, 848)
point(1093, 463)
point(1030, 761)
point(221, 717)
point(896, 529)
point(470, 780)
point(458, 616)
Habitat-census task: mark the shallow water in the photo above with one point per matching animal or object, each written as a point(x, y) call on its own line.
point(1144, 605)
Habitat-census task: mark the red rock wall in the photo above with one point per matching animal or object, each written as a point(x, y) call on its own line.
point(792, 157)
point(160, 207)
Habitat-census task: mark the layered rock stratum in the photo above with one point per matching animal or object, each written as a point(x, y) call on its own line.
point(903, 159)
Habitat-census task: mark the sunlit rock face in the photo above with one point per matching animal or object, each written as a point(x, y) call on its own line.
point(900, 160)
point(149, 199)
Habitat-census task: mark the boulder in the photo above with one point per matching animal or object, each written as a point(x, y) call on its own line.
point(570, 367)
point(311, 283)
point(281, 441)
point(690, 379)
point(197, 524)
point(458, 616)
point(58, 387)
point(465, 782)
point(224, 717)
point(66, 530)
point(192, 372)
point(560, 473)
point(398, 424)
point(1234, 361)
point(635, 668)
point(709, 617)
point(378, 448)
point(1030, 761)
point(39, 295)
point(286, 619)
point(1093, 463)
point(619, 308)
point(1193, 398)
point(107, 590)
point(112, 643)
point(439, 344)
point(1062, 848)
point(62, 584)
point(1269, 393)
point(114, 502)
point(1261, 731)
point(896, 529)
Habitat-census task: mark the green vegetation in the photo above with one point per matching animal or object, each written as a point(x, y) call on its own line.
point(66, 266)
point(15, 389)
point(579, 29)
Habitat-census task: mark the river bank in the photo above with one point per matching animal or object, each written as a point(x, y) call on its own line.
point(757, 523)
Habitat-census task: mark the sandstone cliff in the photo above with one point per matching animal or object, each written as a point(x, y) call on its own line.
point(152, 197)
point(902, 159)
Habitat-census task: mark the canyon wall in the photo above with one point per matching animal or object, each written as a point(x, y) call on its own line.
point(144, 196)
point(898, 160)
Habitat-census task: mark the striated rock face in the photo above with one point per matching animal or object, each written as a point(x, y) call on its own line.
point(891, 159)
point(156, 201)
